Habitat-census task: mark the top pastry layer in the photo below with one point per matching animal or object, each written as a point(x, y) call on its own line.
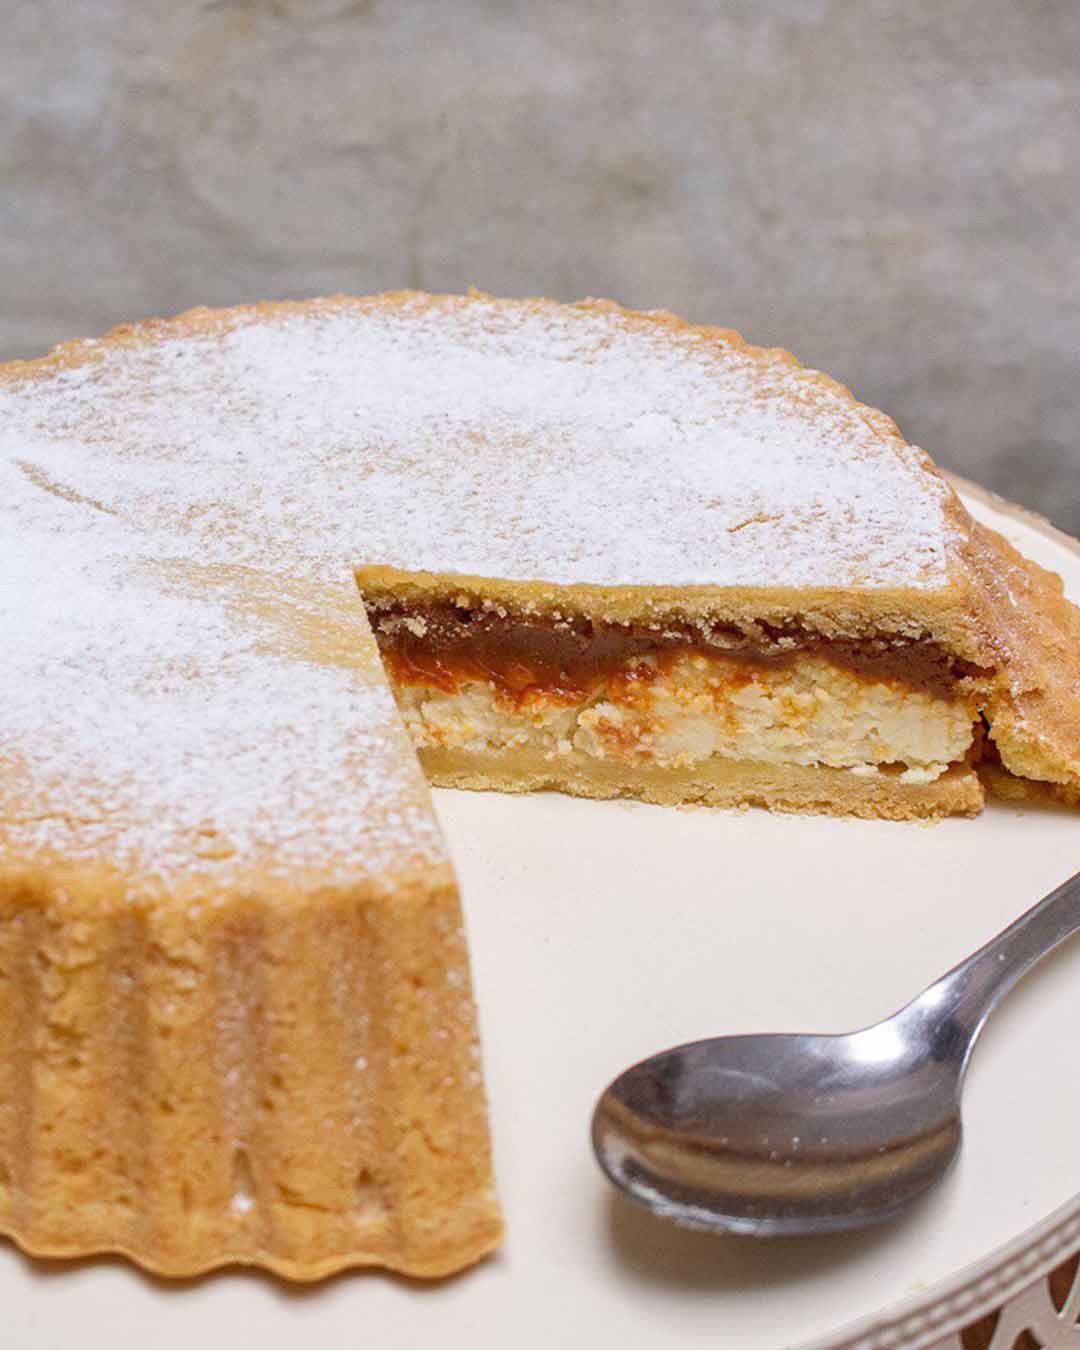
point(519, 440)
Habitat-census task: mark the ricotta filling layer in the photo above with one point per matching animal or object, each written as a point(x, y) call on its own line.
point(697, 705)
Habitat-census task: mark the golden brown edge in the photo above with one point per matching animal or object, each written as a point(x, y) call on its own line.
point(294, 1271)
point(85, 906)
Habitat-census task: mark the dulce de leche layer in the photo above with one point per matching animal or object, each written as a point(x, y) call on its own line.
point(443, 646)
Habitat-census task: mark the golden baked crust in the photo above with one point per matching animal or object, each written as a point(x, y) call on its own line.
point(285, 1078)
point(218, 855)
point(795, 788)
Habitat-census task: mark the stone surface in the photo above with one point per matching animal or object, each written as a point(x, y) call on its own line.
point(892, 191)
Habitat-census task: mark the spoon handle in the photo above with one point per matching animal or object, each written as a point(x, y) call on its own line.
point(961, 1000)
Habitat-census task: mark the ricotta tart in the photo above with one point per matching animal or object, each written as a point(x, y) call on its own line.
point(597, 550)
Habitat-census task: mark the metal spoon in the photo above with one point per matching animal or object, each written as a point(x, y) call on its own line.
point(810, 1134)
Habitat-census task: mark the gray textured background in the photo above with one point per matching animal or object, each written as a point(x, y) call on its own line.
point(890, 189)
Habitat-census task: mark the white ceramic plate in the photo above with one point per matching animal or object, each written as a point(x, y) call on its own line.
point(603, 931)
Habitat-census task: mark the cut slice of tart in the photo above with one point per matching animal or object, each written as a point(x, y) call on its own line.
point(678, 702)
point(697, 698)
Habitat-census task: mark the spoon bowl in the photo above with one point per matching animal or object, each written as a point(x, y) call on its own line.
point(789, 1134)
point(780, 1134)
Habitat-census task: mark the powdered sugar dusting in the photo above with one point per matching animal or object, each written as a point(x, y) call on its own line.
point(556, 444)
point(178, 722)
point(168, 695)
